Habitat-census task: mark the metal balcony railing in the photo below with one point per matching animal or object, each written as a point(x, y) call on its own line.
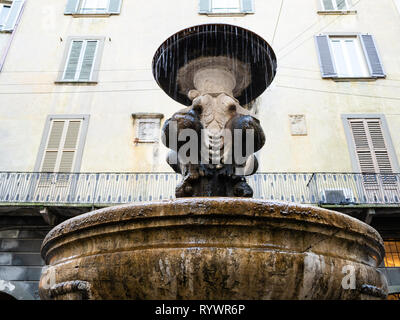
point(117, 188)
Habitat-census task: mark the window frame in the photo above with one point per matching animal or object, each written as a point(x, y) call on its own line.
point(96, 63)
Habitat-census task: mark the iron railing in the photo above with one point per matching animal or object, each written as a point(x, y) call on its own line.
point(117, 188)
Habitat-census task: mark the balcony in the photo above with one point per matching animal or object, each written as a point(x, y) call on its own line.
point(104, 189)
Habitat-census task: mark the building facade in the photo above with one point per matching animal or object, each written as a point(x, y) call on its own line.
point(80, 113)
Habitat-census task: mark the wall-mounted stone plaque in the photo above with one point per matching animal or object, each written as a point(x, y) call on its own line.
point(298, 126)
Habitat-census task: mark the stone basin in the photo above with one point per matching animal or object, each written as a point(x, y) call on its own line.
point(212, 248)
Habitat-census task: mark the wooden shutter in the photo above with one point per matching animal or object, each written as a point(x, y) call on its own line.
point(204, 6)
point(14, 14)
point(61, 146)
point(114, 6)
point(88, 60)
point(372, 56)
point(72, 7)
point(73, 60)
point(247, 5)
point(371, 148)
point(327, 65)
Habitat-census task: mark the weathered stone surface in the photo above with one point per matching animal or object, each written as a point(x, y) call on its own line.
point(211, 248)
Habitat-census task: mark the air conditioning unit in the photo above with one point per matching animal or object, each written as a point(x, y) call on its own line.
point(337, 196)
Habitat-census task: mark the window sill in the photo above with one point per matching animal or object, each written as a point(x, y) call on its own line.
point(145, 141)
point(350, 79)
point(227, 14)
point(76, 82)
point(89, 15)
point(327, 12)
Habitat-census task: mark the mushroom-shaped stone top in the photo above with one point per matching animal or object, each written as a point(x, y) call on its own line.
point(216, 57)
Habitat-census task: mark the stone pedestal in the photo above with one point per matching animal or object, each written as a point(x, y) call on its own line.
point(213, 248)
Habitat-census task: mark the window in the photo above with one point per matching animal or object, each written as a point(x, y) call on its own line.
point(93, 7)
point(392, 256)
point(335, 5)
point(226, 6)
point(373, 155)
point(9, 15)
point(147, 126)
point(62, 144)
point(349, 56)
point(4, 13)
point(82, 60)
point(371, 147)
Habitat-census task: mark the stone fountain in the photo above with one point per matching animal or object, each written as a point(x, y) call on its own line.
point(213, 241)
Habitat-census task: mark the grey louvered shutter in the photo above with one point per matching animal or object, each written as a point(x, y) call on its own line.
point(88, 61)
point(327, 65)
point(341, 4)
point(204, 6)
point(247, 5)
point(73, 60)
point(72, 7)
point(371, 148)
point(70, 146)
point(52, 148)
point(372, 56)
point(115, 6)
point(327, 5)
point(14, 14)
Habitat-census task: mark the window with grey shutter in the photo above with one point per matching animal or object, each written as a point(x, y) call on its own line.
point(93, 7)
point(348, 56)
point(335, 5)
point(61, 147)
point(11, 15)
point(62, 144)
point(81, 60)
point(325, 56)
point(226, 6)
